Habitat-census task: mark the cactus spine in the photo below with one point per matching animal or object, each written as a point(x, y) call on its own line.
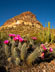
point(19, 45)
point(23, 51)
point(15, 54)
point(31, 58)
point(12, 47)
point(7, 51)
point(17, 61)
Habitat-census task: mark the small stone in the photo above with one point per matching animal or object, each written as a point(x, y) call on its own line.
point(44, 70)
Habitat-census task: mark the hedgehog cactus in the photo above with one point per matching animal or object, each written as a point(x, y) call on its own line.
point(7, 48)
point(23, 51)
point(46, 52)
point(12, 47)
point(7, 51)
point(15, 54)
point(17, 61)
point(17, 49)
point(34, 55)
point(19, 45)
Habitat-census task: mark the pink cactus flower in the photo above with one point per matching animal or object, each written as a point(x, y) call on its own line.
point(16, 38)
point(21, 39)
point(42, 55)
point(42, 45)
point(34, 38)
point(11, 35)
point(51, 50)
point(44, 48)
point(6, 42)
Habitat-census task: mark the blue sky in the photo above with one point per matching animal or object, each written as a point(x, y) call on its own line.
point(43, 9)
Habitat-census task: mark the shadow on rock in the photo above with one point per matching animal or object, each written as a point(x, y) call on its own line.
point(2, 69)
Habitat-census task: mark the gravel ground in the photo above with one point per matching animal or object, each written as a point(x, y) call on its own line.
point(42, 67)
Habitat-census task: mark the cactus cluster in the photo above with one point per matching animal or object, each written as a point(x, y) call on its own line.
point(46, 35)
point(49, 34)
point(3, 35)
point(47, 52)
point(16, 49)
point(19, 50)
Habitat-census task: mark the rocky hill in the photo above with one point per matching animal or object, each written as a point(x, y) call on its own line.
point(25, 22)
point(24, 18)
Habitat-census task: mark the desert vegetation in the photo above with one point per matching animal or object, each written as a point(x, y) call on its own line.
point(26, 49)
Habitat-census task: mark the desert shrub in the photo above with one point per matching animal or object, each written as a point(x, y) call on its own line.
point(3, 35)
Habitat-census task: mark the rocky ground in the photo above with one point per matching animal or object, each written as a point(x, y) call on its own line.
point(43, 66)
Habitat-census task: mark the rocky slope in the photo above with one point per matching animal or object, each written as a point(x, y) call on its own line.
point(25, 23)
point(26, 18)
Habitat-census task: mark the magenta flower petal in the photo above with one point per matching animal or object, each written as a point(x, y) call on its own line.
point(11, 35)
point(16, 38)
point(51, 50)
point(44, 48)
point(21, 39)
point(6, 42)
point(42, 45)
point(34, 38)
